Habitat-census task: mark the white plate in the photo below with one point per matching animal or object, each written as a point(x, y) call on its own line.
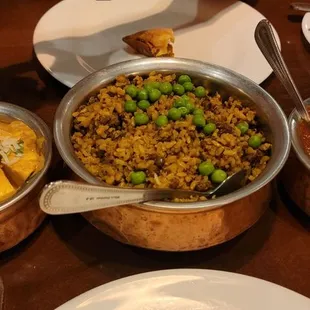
point(305, 25)
point(74, 38)
point(189, 289)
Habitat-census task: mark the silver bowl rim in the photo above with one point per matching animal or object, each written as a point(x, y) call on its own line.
point(293, 120)
point(46, 133)
point(172, 206)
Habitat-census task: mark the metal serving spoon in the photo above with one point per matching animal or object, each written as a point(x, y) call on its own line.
point(301, 6)
point(67, 197)
point(267, 43)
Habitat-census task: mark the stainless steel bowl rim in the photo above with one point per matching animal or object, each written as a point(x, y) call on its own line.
point(293, 120)
point(104, 76)
point(27, 116)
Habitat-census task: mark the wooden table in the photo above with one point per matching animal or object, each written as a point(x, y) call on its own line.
point(67, 256)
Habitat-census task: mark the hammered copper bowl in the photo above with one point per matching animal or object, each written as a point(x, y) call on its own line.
point(181, 226)
point(20, 215)
point(296, 174)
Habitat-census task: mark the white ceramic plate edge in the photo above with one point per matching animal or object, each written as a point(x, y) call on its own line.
point(75, 302)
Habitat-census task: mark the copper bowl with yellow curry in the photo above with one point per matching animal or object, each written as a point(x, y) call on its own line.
point(25, 155)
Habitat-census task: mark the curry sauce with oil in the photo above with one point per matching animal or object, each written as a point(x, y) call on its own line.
point(20, 156)
point(304, 135)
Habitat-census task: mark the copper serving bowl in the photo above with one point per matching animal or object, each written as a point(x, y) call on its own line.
point(296, 174)
point(20, 215)
point(181, 226)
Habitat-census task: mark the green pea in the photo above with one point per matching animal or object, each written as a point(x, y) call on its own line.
point(151, 84)
point(255, 141)
point(198, 111)
point(174, 114)
point(178, 89)
point(141, 119)
point(200, 91)
point(143, 94)
point(188, 103)
point(147, 87)
point(183, 110)
point(143, 105)
point(179, 102)
point(243, 127)
point(165, 88)
point(131, 90)
point(154, 94)
point(130, 106)
point(162, 120)
point(206, 168)
point(188, 86)
point(199, 121)
point(209, 128)
point(184, 78)
point(155, 84)
point(186, 98)
point(190, 107)
point(218, 176)
point(137, 177)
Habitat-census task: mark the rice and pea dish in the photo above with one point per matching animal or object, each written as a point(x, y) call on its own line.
point(162, 131)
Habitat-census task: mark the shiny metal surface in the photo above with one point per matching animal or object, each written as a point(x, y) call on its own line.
point(214, 78)
point(9, 112)
point(293, 120)
point(301, 6)
point(267, 43)
point(67, 197)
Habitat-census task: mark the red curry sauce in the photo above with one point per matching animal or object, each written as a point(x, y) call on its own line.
point(304, 134)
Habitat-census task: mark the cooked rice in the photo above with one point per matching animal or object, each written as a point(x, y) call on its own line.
point(110, 146)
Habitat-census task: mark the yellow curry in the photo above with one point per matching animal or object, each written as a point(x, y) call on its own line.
point(20, 156)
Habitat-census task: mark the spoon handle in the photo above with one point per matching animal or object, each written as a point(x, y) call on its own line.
point(66, 197)
point(267, 43)
point(301, 6)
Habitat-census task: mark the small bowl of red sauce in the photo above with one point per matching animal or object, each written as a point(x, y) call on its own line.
point(296, 175)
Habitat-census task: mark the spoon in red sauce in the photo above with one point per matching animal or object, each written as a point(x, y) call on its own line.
point(266, 41)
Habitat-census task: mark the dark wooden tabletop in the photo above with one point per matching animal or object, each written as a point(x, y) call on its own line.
point(67, 256)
